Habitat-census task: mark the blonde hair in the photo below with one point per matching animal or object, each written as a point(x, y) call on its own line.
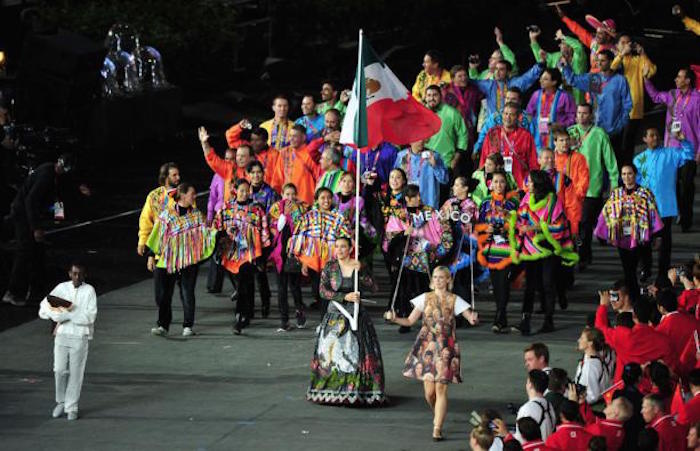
point(482, 436)
point(445, 270)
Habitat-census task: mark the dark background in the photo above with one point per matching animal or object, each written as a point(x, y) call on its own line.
point(226, 59)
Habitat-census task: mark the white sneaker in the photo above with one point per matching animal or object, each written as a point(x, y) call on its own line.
point(57, 411)
point(187, 332)
point(14, 300)
point(72, 416)
point(159, 331)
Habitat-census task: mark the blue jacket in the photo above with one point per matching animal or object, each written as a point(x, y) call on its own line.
point(428, 177)
point(492, 88)
point(656, 171)
point(610, 97)
point(314, 126)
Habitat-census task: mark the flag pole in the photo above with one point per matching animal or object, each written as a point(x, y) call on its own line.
point(356, 307)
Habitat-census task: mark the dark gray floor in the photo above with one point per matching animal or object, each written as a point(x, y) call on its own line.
point(219, 391)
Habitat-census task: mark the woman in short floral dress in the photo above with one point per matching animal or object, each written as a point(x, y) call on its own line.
point(435, 356)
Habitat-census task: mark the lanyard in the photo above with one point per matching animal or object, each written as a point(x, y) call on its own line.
point(278, 140)
point(288, 161)
point(366, 158)
point(409, 164)
point(542, 105)
point(675, 102)
point(500, 94)
point(508, 142)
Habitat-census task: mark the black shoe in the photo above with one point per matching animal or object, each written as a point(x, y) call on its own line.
point(547, 327)
point(404, 329)
point(238, 328)
point(301, 319)
point(524, 327)
point(234, 296)
point(563, 302)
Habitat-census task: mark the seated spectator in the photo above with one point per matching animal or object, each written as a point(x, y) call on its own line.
point(591, 372)
point(481, 438)
point(489, 420)
point(570, 434)
point(537, 407)
point(662, 384)
point(689, 413)
point(676, 325)
point(649, 345)
point(694, 437)
point(616, 414)
point(556, 390)
point(531, 435)
point(536, 357)
point(631, 376)
point(672, 435)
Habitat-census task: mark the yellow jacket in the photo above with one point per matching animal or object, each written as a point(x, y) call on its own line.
point(150, 211)
point(692, 25)
point(423, 80)
point(279, 133)
point(633, 66)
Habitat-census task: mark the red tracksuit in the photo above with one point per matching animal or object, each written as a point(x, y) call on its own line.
point(612, 430)
point(679, 328)
point(689, 413)
point(672, 436)
point(569, 437)
point(617, 337)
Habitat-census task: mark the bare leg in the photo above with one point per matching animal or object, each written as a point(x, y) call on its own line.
point(429, 389)
point(440, 407)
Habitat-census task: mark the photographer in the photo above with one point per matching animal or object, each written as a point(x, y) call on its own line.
point(689, 298)
point(591, 373)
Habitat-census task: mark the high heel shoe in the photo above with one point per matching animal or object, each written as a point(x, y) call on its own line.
point(437, 435)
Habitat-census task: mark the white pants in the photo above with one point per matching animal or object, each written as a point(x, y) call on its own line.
point(69, 358)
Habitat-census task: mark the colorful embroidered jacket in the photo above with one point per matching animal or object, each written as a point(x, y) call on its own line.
point(314, 237)
point(430, 240)
point(494, 248)
point(293, 211)
point(246, 227)
point(152, 209)
point(264, 195)
point(181, 240)
point(462, 214)
point(423, 80)
point(389, 206)
point(629, 218)
point(539, 230)
point(346, 207)
point(332, 277)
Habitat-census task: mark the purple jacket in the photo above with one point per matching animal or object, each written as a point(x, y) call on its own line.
point(562, 110)
point(687, 110)
point(216, 197)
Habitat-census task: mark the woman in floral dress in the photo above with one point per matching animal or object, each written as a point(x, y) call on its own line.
point(347, 367)
point(435, 356)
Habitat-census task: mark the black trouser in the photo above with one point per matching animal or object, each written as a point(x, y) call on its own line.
point(501, 293)
point(245, 281)
point(293, 282)
point(315, 290)
point(164, 284)
point(264, 287)
point(630, 259)
point(563, 279)
point(664, 257)
point(215, 276)
point(28, 265)
point(540, 274)
point(462, 283)
point(393, 276)
point(686, 193)
point(629, 139)
point(589, 218)
point(616, 143)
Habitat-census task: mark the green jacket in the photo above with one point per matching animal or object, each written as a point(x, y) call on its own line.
point(579, 61)
point(508, 55)
point(452, 134)
point(599, 153)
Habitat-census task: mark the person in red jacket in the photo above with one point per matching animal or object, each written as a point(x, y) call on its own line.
point(678, 326)
point(514, 143)
point(612, 427)
point(529, 431)
point(617, 337)
point(648, 344)
point(689, 413)
point(694, 437)
point(570, 434)
point(689, 299)
point(671, 434)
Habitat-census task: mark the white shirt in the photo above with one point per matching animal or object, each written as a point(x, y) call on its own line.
point(80, 319)
point(460, 304)
point(589, 373)
point(540, 410)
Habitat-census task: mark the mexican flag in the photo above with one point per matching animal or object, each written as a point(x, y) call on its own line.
point(381, 108)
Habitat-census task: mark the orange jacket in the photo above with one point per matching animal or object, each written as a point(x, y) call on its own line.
point(227, 170)
point(305, 170)
point(574, 166)
point(233, 137)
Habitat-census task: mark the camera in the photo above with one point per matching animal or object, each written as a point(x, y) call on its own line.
point(614, 296)
point(580, 389)
point(644, 291)
point(533, 28)
point(681, 271)
point(474, 59)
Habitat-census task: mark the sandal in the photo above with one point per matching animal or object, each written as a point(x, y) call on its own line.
point(437, 435)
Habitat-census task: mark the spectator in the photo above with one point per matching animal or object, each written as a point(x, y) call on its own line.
point(649, 344)
point(619, 337)
point(657, 168)
point(591, 372)
point(672, 435)
point(531, 435)
point(536, 357)
point(617, 412)
point(694, 434)
point(689, 413)
point(556, 389)
point(537, 408)
point(481, 438)
point(631, 376)
point(570, 434)
point(676, 325)
point(690, 297)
